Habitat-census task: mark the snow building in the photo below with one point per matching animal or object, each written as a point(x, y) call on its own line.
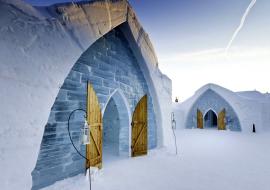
point(215, 107)
point(92, 55)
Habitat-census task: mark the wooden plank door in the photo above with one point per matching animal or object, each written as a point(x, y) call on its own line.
point(199, 119)
point(94, 118)
point(221, 120)
point(139, 144)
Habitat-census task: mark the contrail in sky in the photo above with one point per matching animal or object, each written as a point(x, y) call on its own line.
point(252, 3)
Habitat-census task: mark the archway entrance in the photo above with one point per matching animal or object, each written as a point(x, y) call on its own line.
point(111, 128)
point(116, 128)
point(210, 119)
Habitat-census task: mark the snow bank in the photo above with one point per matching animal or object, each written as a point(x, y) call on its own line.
point(38, 47)
point(207, 160)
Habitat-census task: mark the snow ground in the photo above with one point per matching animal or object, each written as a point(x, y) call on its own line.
point(207, 160)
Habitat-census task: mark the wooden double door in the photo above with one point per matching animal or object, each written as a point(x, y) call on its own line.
point(139, 142)
point(220, 120)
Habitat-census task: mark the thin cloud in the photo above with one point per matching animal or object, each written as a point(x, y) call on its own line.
point(215, 55)
point(251, 5)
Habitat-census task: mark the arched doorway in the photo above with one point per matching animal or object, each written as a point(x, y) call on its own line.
point(210, 119)
point(116, 128)
point(108, 68)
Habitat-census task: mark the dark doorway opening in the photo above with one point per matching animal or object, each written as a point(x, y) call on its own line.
point(210, 119)
point(111, 126)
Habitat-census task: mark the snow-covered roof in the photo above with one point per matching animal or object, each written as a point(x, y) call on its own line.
point(225, 93)
point(255, 95)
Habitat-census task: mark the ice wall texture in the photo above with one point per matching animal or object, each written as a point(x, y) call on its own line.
point(108, 65)
point(38, 48)
point(211, 100)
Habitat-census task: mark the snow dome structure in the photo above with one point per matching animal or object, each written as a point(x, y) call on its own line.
point(49, 56)
point(215, 107)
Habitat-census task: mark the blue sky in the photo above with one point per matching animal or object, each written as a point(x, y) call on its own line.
point(198, 24)
point(189, 37)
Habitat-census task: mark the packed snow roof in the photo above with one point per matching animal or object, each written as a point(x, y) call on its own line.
point(255, 95)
